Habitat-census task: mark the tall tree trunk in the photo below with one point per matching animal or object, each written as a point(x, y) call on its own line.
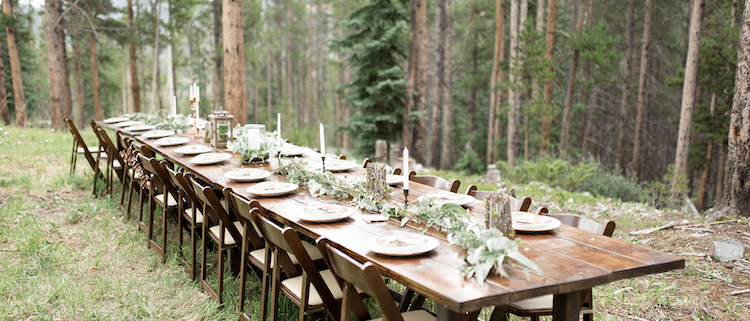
point(155, 73)
point(474, 66)
point(125, 89)
point(720, 175)
point(567, 112)
point(416, 81)
point(54, 77)
point(66, 109)
point(173, 53)
point(688, 92)
point(4, 117)
point(513, 90)
point(736, 196)
point(593, 105)
point(548, 87)
point(94, 66)
point(289, 50)
point(436, 111)
point(15, 68)
point(347, 109)
point(642, 92)
point(494, 79)
point(446, 82)
point(626, 72)
point(535, 82)
point(133, 64)
point(701, 202)
point(269, 84)
point(321, 63)
point(234, 60)
point(309, 92)
point(78, 74)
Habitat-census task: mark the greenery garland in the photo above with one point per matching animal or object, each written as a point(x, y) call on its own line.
point(487, 249)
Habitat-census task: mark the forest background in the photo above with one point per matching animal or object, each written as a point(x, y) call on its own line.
point(486, 86)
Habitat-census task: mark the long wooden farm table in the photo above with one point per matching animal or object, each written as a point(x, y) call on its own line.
point(572, 260)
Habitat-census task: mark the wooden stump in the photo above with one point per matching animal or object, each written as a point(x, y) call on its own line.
point(375, 180)
point(498, 214)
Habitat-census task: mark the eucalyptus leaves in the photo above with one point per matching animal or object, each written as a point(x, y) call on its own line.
point(252, 150)
point(487, 249)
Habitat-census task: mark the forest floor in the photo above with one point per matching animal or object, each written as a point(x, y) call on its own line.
point(65, 255)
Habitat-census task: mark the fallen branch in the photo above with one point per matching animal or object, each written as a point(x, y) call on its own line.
point(651, 230)
point(693, 254)
point(738, 292)
point(623, 290)
point(696, 229)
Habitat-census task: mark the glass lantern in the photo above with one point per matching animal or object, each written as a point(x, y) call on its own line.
point(221, 128)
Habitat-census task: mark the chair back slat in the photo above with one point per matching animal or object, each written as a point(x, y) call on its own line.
point(435, 181)
point(523, 204)
point(209, 199)
point(242, 209)
point(586, 224)
point(80, 142)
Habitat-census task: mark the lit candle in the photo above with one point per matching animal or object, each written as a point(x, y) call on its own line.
point(322, 140)
point(198, 93)
point(192, 92)
point(406, 168)
point(173, 110)
point(253, 138)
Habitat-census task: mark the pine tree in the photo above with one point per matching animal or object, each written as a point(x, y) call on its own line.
point(377, 48)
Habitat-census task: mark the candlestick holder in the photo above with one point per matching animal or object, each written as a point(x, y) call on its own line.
point(324, 162)
point(406, 199)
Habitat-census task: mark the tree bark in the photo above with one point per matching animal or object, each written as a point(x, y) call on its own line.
point(688, 93)
point(309, 92)
point(15, 68)
point(626, 75)
point(54, 76)
point(436, 112)
point(548, 87)
point(217, 94)
point(416, 81)
point(155, 72)
point(133, 64)
point(4, 116)
point(513, 90)
point(78, 74)
point(269, 84)
point(234, 60)
point(446, 84)
point(636, 162)
point(720, 175)
point(567, 111)
point(289, 49)
point(94, 66)
point(701, 202)
point(495, 79)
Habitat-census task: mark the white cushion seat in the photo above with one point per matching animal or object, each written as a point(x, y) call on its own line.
point(228, 239)
point(171, 202)
point(312, 251)
point(92, 149)
point(417, 315)
point(198, 219)
point(294, 285)
point(116, 164)
point(540, 303)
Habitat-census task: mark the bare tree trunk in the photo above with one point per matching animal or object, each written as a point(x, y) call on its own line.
point(133, 64)
point(494, 79)
point(416, 79)
point(93, 65)
point(720, 174)
point(567, 112)
point(155, 73)
point(173, 54)
point(436, 111)
point(513, 78)
point(269, 84)
point(535, 82)
point(54, 77)
point(347, 77)
point(66, 109)
point(446, 83)
point(701, 203)
point(234, 60)
point(310, 74)
point(15, 68)
point(78, 74)
point(548, 87)
point(125, 89)
point(626, 72)
point(688, 92)
point(642, 92)
point(593, 105)
point(4, 117)
point(321, 63)
point(289, 50)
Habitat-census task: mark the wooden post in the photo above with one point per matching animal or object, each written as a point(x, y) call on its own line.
point(498, 214)
point(375, 180)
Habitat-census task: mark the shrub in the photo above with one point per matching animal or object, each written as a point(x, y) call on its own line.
point(470, 162)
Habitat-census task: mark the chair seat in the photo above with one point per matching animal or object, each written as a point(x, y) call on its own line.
point(418, 315)
point(198, 219)
point(536, 305)
point(116, 164)
point(213, 231)
point(294, 285)
point(171, 202)
point(315, 255)
point(92, 149)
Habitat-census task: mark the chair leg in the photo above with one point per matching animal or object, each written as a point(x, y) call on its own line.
point(243, 273)
point(275, 280)
point(194, 250)
point(264, 286)
point(204, 245)
point(164, 231)
point(499, 314)
point(151, 210)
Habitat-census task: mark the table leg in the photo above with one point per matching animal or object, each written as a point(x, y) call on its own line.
point(445, 314)
point(566, 306)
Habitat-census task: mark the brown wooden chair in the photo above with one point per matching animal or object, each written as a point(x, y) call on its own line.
point(161, 192)
point(522, 204)
point(366, 278)
point(113, 160)
point(189, 216)
point(435, 181)
point(80, 148)
point(222, 229)
point(132, 172)
point(281, 242)
point(542, 305)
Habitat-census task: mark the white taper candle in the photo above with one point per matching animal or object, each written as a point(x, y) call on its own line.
point(322, 140)
point(406, 168)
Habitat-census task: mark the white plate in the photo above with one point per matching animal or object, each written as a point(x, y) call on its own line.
point(401, 243)
point(444, 197)
point(247, 174)
point(272, 188)
point(137, 128)
point(324, 212)
point(210, 158)
point(158, 133)
point(128, 123)
point(394, 179)
point(115, 120)
point(171, 141)
point(193, 149)
point(291, 150)
point(338, 165)
point(528, 222)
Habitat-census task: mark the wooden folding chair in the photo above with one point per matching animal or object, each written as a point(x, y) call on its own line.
point(188, 205)
point(114, 162)
point(435, 181)
point(282, 241)
point(221, 229)
point(161, 192)
point(132, 172)
point(79, 147)
point(366, 278)
point(542, 305)
point(522, 204)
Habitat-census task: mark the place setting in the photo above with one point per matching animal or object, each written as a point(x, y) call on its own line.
point(171, 141)
point(113, 120)
point(140, 127)
point(272, 188)
point(401, 243)
point(325, 212)
point(289, 150)
point(244, 175)
point(210, 158)
point(193, 149)
point(127, 123)
point(445, 197)
point(157, 133)
point(337, 165)
point(530, 222)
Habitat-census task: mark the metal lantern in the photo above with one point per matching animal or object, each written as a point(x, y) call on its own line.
point(221, 128)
